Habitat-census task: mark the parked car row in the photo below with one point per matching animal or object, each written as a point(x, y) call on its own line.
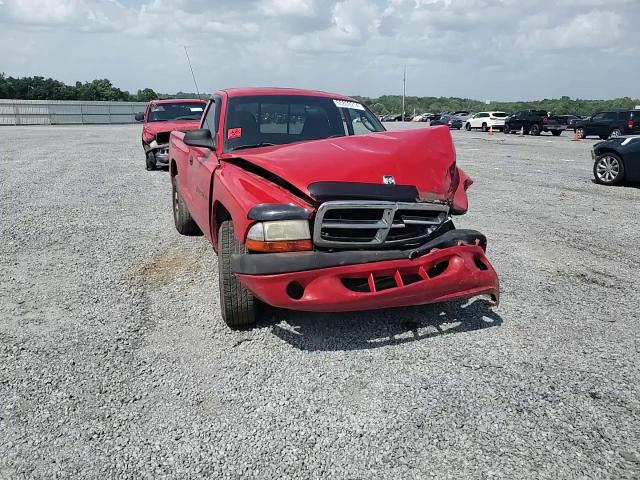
point(613, 123)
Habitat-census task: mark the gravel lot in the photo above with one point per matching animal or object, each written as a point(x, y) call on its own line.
point(115, 363)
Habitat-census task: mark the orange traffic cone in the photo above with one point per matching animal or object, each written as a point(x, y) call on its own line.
point(576, 136)
point(521, 132)
point(491, 130)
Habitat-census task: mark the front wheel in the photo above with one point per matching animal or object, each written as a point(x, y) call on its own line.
point(608, 169)
point(615, 133)
point(556, 133)
point(582, 133)
point(236, 302)
point(151, 161)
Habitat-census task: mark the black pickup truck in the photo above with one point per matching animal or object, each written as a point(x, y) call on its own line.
point(533, 122)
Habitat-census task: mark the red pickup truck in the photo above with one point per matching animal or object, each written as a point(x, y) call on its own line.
point(311, 205)
point(162, 117)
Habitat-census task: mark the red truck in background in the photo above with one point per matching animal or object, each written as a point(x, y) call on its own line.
point(311, 205)
point(160, 118)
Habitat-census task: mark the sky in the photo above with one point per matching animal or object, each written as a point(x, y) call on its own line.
point(481, 49)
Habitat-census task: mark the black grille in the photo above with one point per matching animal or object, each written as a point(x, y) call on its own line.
point(162, 137)
point(349, 224)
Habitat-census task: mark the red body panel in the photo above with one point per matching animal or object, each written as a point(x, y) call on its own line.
point(325, 292)
point(209, 180)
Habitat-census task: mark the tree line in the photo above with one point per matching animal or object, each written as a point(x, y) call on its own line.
point(388, 104)
point(40, 88)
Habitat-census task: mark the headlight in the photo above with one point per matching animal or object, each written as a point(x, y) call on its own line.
point(279, 236)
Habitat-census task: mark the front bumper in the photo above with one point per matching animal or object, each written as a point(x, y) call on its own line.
point(383, 279)
point(160, 150)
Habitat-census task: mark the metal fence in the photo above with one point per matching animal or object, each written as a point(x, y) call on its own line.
point(66, 112)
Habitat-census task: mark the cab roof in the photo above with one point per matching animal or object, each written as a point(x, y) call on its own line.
point(243, 92)
point(179, 100)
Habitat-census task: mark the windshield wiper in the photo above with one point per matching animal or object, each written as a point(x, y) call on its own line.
point(255, 145)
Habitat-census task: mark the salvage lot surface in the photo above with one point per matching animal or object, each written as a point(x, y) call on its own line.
point(114, 361)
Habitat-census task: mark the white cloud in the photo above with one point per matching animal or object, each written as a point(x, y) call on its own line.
point(596, 29)
point(475, 48)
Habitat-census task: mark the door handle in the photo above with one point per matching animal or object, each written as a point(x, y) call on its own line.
point(190, 160)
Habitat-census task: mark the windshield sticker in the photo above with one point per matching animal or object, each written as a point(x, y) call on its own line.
point(196, 109)
point(345, 104)
point(234, 133)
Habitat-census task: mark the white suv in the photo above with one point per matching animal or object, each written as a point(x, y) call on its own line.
point(486, 120)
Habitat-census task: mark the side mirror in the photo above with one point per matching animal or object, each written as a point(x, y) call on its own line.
point(139, 117)
point(200, 137)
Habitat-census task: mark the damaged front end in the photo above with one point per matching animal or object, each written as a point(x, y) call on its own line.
point(374, 245)
point(158, 146)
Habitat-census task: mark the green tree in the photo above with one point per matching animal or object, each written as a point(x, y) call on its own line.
point(146, 95)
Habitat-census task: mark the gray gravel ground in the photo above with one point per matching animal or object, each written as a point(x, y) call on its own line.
point(115, 363)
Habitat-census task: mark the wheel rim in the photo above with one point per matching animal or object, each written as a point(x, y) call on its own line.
point(581, 132)
point(615, 132)
point(608, 169)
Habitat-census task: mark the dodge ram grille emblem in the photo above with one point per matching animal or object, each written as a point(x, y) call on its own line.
point(388, 179)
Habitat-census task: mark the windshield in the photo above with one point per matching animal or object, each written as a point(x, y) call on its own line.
point(261, 120)
point(163, 112)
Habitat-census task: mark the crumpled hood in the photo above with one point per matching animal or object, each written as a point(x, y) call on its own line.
point(423, 157)
point(152, 128)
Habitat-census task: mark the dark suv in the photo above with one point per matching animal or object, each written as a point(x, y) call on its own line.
point(610, 124)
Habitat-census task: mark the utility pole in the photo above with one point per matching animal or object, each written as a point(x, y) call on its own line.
point(404, 89)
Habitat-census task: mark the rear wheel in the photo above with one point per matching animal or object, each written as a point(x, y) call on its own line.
point(535, 129)
point(467, 127)
point(608, 169)
point(615, 133)
point(556, 133)
point(506, 128)
point(236, 302)
point(484, 127)
point(181, 216)
point(582, 133)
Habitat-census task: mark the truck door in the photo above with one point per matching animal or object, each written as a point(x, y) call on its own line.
point(516, 121)
point(598, 124)
point(200, 165)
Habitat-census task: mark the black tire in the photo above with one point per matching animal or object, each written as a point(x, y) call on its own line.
point(485, 128)
point(237, 305)
point(506, 129)
point(556, 133)
point(467, 127)
point(582, 133)
point(534, 130)
point(181, 216)
point(151, 161)
point(608, 169)
point(616, 132)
